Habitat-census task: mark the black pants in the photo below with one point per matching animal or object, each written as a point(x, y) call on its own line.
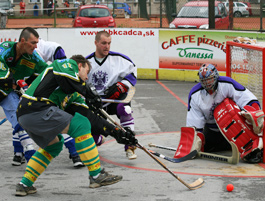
point(215, 141)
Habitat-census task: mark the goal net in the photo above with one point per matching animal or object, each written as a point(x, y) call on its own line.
point(245, 64)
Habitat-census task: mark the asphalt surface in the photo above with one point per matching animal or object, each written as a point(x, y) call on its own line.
point(159, 109)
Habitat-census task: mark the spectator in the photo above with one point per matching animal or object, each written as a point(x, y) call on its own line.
point(49, 6)
point(98, 2)
point(36, 11)
point(66, 3)
point(22, 7)
point(77, 4)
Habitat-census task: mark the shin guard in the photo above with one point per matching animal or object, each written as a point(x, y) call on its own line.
point(80, 130)
point(25, 140)
point(40, 161)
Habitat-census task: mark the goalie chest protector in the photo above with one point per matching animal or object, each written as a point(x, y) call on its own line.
point(233, 126)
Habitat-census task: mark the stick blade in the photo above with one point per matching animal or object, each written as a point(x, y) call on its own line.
point(197, 184)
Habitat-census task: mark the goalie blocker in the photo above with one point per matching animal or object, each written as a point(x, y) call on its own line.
point(238, 127)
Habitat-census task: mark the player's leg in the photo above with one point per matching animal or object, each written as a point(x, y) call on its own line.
point(23, 144)
point(77, 104)
point(43, 127)
point(69, 143)
point(36, 166)
point(215, 141)
point(124, 112)
point(80, 130)
point(19, 157)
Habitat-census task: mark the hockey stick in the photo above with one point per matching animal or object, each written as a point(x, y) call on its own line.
point(128, 98)
point(195, 185)
point(175, 160)
point(234, 159)
point(3, 121)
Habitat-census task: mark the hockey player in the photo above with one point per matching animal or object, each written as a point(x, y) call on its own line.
point(112, 75)
point(40, 113)
point(216, 98)
point(51, 51)
point(18, 61)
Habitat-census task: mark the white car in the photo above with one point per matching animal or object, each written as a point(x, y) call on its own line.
point(239, 9)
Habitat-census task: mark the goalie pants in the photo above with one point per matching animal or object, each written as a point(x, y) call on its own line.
point(214, 141)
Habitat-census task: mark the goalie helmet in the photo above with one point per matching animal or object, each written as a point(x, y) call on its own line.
point(208, 75)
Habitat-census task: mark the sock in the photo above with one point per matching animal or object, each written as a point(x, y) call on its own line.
point(19, 154)
point(40, 161)
point(69, 143)
point(36, 165)
point(80, 130)
point(96, 176)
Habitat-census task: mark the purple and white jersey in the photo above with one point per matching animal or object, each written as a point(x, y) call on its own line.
point(114, 68)
point(201, 104)
point(49, 50)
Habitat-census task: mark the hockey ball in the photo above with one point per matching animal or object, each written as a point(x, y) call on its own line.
point(230, 187)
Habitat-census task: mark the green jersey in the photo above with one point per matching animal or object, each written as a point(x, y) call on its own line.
point(11, 70)
point(55, 84)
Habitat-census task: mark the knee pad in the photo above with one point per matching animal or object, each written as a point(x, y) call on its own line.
point(55, 149)
point(79, 126)
point(124, 110)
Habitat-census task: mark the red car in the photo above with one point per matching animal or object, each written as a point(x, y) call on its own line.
point(194, 15)
point(93, 16)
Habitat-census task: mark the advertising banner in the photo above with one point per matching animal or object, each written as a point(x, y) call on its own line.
point(189, 49)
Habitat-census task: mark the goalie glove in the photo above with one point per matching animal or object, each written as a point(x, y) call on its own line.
point(23, 86)
point(116, 90)
point(127, 137)
point(254, 117)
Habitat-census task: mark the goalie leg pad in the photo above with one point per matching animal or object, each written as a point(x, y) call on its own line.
point(233, 126)
point(190, 140)
point(253, 153)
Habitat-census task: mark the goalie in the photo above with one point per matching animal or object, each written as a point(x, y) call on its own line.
point(222, 111)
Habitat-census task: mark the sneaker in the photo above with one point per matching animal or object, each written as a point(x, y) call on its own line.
point(130, 154)
point(18, 160)
point(23, 191)
point(104, 179)
point(77, 161)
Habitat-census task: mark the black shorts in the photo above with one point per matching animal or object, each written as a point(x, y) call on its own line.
point(45, 125)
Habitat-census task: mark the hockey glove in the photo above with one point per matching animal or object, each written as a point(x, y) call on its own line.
point(254, 117)
point(92, 97)
point(23, 86)
point(116, 90)
point(122, 137)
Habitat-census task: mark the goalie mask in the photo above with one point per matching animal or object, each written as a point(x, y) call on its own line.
point(208, 75)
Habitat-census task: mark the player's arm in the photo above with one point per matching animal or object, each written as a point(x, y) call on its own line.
point(66, 75)
point(98, 124)
point(127, 76)
point(6, 77)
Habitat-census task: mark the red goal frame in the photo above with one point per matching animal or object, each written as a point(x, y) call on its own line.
point(228, 70)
